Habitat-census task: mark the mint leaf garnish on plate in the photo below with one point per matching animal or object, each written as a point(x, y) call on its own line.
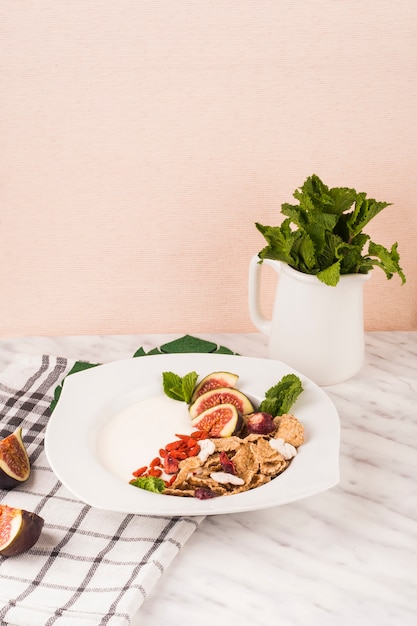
point(150, 483)
point(177, 387)
point(280, 398)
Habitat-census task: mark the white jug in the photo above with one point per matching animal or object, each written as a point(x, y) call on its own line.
point(315, 329)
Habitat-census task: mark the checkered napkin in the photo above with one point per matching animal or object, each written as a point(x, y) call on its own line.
point(89, 567)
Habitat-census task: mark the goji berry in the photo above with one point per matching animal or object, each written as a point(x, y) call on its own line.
point(178, 454)
point(174, 445)
point(140, 471)
point(155, 461)
point(194, 450)
point(199, 434)
point(154, 471)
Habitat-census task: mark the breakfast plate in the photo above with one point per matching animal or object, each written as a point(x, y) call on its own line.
point(114, 418)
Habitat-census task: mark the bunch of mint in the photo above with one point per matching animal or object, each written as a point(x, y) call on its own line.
point(328, 239)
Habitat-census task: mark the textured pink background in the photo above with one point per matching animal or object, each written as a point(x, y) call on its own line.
point(140, 141)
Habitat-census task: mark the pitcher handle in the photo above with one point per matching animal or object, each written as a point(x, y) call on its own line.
point(259, 320)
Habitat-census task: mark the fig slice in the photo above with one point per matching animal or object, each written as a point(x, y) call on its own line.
point(222, 395)
point(215, 380)
point(14, 461)
point(19, 530)
point(222, 420)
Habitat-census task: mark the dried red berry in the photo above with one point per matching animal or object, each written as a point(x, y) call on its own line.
point(204, 493)
point(170, 464)
point(226, 463)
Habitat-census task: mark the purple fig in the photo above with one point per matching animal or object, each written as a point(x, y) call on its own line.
point(19, 530)
point(14, 462)
point(222, 395)
point(260, 423)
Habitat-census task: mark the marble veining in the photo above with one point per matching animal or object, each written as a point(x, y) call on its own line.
point(346, 556)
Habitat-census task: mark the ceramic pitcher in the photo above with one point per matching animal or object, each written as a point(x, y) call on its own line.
point(315, 329)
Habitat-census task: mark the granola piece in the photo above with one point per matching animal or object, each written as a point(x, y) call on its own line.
point(228, 444)
point(213, 463)
point(258, 480)
point(211, 483)
point(245, 463)
point(255, 437)
point(191, 464)
point(171, 491)
point(290, 430)
point(269, 460)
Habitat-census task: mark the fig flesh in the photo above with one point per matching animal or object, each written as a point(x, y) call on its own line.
point(260, 423)
point(222, 395)
point(215, 380)
point(19, 530)
point(223, 420)
point(14, 461)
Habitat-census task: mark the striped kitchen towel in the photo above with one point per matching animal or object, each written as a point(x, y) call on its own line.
point(89, 567)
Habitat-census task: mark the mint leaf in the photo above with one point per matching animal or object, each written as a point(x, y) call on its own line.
point(323, 235)
point(280, 242)
point(331, 275)
point(172, 384)
point(365, 210)
point(178, 388)
point(150, 483)
point(280, 398)
point(387, 260)
point(188, 385)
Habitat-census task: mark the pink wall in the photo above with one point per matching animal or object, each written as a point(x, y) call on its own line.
point(140, 141)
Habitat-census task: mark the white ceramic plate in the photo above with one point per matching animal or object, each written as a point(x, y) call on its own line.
point(114, 418)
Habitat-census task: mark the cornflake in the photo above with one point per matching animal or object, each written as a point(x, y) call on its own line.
point(256, 459)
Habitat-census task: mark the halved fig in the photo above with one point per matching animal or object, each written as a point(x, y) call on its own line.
point(222, 395)
point(19, 530)
point(222, 420)
point(260, 423)
point(14, 461)
point(215, 380)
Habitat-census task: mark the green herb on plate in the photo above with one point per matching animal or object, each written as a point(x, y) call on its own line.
point(280, 398)
point(179, 388)
point(150, 483)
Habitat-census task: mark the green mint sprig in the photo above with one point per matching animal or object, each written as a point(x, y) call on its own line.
point(323, 235)
point(177, 387)
point(280, 398)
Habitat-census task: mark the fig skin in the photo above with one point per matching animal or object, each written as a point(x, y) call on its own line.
point(26, 534)
point(13, 446)
point(215, 380)
point(260, 423)
point(219, 396)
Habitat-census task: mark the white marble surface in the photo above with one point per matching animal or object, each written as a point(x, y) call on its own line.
point(346, 556)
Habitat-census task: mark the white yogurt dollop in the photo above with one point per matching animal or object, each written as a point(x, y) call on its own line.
point(225, 478)
point(207, 448)
point(287, 450)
